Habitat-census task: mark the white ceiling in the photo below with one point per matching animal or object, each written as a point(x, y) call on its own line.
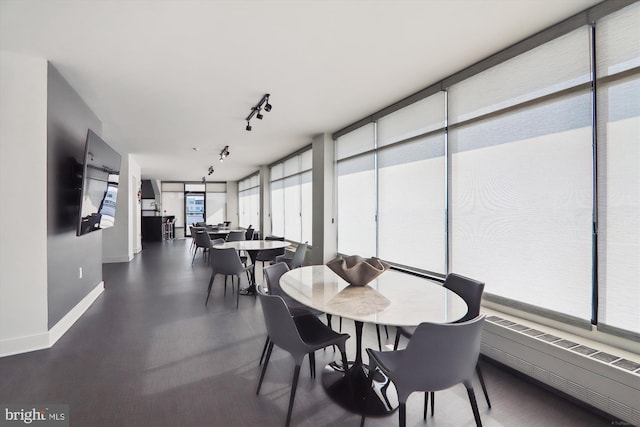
point(167, 76)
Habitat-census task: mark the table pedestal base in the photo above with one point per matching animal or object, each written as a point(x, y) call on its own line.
point(352, 391)
point(250, 290)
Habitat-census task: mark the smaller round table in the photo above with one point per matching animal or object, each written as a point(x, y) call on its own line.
point(252, 247)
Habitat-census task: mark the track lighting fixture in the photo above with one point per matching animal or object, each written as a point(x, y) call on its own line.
point(257, 110)
point(224, 153)
point(204, 180)
point(211, 170)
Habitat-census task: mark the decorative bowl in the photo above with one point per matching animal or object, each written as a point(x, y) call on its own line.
point(356, 270)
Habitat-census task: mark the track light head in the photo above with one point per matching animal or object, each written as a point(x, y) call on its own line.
point(267, 107)
point(259, 115)
point(248, 128)
point(204, 180)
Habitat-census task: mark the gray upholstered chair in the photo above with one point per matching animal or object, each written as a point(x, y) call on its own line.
point(298, 256)
point(227, 261)
point(470, 291)
point(437, 357)
point(202, 240)
point(298, 336)
point(272, 275)
point(269, 255)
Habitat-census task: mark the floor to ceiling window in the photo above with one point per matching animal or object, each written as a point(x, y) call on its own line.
point(291, 197)
point(494, 175)
point(249, 202)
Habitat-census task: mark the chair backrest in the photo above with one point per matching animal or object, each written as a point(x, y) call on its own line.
point(202, 239)
point(249, 233)
point(226, 261)
point(299, 255)
point(469, 289)
point(281, 328)
point(439, 356)
point(270, 254)
point(272, 275)
point(226, 223)
point(235, 236)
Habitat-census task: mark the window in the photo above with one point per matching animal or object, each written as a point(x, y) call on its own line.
point(356, 192)
point(249, 202)
point(291, 198)
point(501, 183)
point(216, 203)
point(618, 95)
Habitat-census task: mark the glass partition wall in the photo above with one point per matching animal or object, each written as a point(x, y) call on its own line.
point(524, 174)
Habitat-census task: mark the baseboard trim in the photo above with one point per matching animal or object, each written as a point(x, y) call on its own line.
point(26, 344)
point(60, 328)
point(47, 339)
point(115, 259)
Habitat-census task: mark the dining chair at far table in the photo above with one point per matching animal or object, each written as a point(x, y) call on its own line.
point(298, 336)
point(298, 256)
point(437, 357)
point(269, 255)
point(226, 261)
point(471, 292)
point(202, 240)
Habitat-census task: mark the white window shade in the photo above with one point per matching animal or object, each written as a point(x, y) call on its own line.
point(559, 64)
point(618, 41)
point(411, 213)
point(355, 142)
point(521, 204)
point(416, 119)
point(618, 49)
point(306, 207)
point(216, 204)
point(277, 208)
point(356, 204)
point(292, 220)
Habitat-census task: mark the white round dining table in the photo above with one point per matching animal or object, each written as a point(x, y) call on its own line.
point(394, 298)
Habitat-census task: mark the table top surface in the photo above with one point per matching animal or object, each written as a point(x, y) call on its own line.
point(394, 298)
point(253, 245)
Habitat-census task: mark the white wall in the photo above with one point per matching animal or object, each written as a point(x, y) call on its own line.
point(23, 191)
point(119, 241)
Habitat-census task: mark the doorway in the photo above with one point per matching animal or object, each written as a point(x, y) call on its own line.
point(194, 209)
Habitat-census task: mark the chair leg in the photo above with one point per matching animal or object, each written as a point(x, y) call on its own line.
point(294, 385)
point(378, 334)
point(329, 321)
point(397, 340)
point(264, 350)
point(426, 403)
point(213, 274)
point(312, 364)
point(194, 255)
point(484, 388)
point(402, 411)
point(264, 367)
point(237, 293)
point(474, 406)
point(225, 285)
point(433, 402)
point(340, 325)
point(386, 331)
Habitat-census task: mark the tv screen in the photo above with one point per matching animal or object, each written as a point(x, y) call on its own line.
point(100, 176)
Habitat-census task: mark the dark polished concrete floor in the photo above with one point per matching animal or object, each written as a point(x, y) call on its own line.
point(149, 353)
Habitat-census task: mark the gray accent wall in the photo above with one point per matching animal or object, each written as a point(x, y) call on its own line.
point(68, 118)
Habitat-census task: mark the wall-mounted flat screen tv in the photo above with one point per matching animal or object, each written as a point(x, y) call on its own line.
point(100, 177)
